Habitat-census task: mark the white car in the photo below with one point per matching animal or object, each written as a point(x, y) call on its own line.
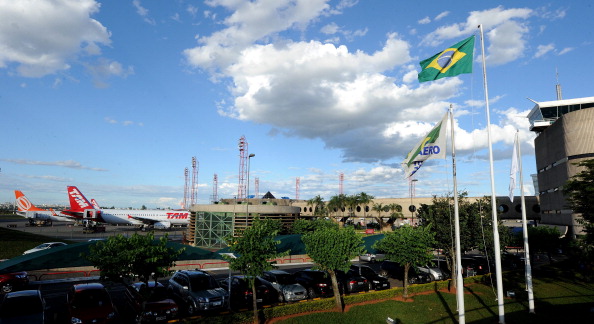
point(370, 257)
point(45, 246)
point(433, 272)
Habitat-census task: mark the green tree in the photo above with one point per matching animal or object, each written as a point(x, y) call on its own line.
point(543, 239)
point(475, 224)
point(395, 212)
point(379, 208)
point(302, 226)
point(319, 206)
point(579, 191)
point(333, 249)
point(364, 199)
point(122, 259)
point(337, 203)
point(408, 246)
point(253, 250)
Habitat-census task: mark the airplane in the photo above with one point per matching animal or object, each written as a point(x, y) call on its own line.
point(159, 219)
point(26, 209)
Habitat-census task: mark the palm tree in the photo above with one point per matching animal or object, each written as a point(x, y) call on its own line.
point(396, 212)
point(364, 199)
point(319, 206)
point(337, 203)
point(379, 208)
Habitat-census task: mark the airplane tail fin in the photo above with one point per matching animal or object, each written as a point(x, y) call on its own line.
point(95, 204)
point(23, 203)
point(78, 202)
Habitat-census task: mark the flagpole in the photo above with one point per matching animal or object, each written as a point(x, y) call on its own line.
point(496, 247)
point(528, 270)
point(459, 279)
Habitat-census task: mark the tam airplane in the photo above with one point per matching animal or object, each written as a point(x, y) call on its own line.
point(26, 208)
point(157, 218)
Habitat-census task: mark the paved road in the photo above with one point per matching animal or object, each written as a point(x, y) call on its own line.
point(67, 231)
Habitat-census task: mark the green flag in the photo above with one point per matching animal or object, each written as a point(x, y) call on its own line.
point(432, 146)
point(450, 62)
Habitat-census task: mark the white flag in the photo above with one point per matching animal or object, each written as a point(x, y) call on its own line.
point(433, 146)
point(514, 170)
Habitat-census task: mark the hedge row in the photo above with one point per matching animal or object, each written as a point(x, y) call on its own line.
point(328, 304)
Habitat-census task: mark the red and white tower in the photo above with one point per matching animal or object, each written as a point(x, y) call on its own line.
point(215, 185)
point(297, 183)
point(186, 183)
point(243, 156)
point(194, 190)
point(340, 182)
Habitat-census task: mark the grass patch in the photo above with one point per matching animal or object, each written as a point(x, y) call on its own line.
point(14, 243)
point(558, 299)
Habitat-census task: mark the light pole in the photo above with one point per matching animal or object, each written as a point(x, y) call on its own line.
point(247, 205)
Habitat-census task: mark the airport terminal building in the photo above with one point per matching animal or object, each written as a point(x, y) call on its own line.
point(565, 136)
point(211, 224)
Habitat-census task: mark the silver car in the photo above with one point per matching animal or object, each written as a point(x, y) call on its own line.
point(288, 289)
point(433, 272)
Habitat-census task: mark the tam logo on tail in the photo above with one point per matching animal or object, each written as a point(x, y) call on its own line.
point(77, 199)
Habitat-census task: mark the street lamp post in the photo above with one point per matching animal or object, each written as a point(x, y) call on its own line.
point(248, 191)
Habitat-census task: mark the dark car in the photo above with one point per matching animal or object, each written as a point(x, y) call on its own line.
point(473, 265)
point(241, 294)
point(158, 307)
point(317, 283)
point(198, 290)
point(12, 281)
point(374, 280)
point(395, 270)
point(351, 282)
point(286, 285)
point(24, 306)
point(90, 303)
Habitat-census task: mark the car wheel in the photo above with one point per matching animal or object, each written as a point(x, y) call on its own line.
point(372, 260)
point(191, 308)
point(7, 287)
point(432, 277)
point(281, 297)
point(311, 293)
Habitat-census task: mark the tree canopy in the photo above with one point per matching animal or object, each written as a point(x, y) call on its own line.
point(121, 258)
point(253, 251)
point(333, 249)
point(579, 191)
point(408, 246)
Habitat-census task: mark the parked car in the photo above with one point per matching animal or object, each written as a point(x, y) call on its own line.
point(351, 282)
point(158, 307)
point(317, 283)
point(372, 257)
point(90, 303)
point(395, 270)
point(242, 296)
point(45, 246)
point(442, 264)
point(286, 285)
point(434, 272)
point(374, 280)
point(473, 265)
point(25, 306)
point(198, 290)
point(12, 281)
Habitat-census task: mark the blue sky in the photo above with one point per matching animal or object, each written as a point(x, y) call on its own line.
point(116, 97)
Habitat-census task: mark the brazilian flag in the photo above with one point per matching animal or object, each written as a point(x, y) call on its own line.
point(450, 62)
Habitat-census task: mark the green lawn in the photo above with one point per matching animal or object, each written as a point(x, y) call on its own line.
point(13, 243)
point(559, 298)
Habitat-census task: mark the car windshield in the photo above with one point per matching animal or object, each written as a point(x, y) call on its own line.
point(90, 299)
point(158, 293)
point(199, 283)
point(42, 246)
point(367, 272)
point(20, 306)
point(285, 279)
